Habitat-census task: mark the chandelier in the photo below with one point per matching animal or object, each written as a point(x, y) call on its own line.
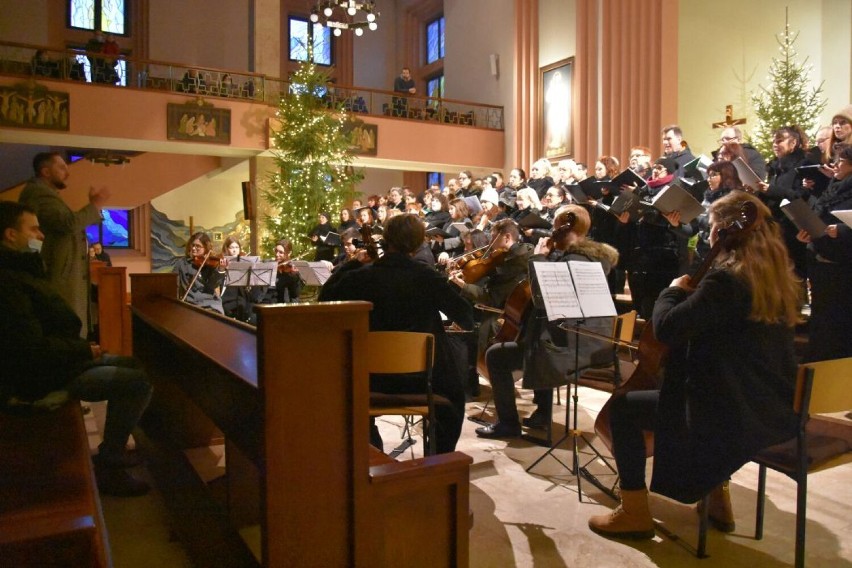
point(342, 15)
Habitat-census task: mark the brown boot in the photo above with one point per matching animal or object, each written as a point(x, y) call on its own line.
point(631, 519)
point(719, 510)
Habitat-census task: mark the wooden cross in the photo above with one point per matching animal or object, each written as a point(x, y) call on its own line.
point(729, 119)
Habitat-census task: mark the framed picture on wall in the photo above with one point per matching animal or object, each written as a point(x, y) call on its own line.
point(199, 122)
point(555, 82)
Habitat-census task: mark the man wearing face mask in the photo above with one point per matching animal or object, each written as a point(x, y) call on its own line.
point(65, 250)
point(45, 361)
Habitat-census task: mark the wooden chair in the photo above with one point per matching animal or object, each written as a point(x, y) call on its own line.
point(821, 387)
point(400, 353)
point(605, 372)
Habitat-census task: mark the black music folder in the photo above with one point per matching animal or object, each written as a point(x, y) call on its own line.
point(533, 220)
point(805, 218)
point(747, 175)
point(577, 193)
point(627, 177)
point(592, 188)
point(331, 239)
point(696, 170)
point(675, 198)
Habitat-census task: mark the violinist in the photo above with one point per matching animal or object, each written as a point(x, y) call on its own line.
point(407, 296)
point(235, 299)
point(288, 284)
point(544, 352)
point(729, 383)
point(199, 274)
point(347, 239)
point(504, 275)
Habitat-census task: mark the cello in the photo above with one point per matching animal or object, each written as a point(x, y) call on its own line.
point(519, 302)
point(653, 354)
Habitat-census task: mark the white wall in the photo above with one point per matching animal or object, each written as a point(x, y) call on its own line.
point(726, 48)
point(378, 181)
point(557, 30)
point(210, 202)
point(24, 22)
point(474, 30)
point(374, 64)
point(206, 33)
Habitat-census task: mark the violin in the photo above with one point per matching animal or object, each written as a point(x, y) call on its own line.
point(652, 354)
point(286, 267)
point(478, 268)
point(208, 260)
point(460, 261)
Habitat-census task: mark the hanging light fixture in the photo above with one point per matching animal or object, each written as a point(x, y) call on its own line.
point(342, 15)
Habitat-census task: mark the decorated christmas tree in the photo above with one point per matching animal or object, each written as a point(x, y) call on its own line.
point(313, 160)
point(790, 99)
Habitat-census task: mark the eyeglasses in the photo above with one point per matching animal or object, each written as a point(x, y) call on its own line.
point(724, 139)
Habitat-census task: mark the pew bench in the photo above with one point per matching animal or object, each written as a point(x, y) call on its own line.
point(50, 514)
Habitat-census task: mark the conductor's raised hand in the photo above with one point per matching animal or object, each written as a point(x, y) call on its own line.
point(99, 196)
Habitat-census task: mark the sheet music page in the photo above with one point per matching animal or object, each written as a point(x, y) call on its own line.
point(321, 271)
point(238, 273)
point(592, 289)
point(263, 273)
point(557, 290)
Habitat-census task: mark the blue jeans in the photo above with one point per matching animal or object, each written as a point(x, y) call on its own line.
point(121, 382)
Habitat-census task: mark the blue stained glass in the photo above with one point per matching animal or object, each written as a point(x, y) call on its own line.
point(83, 14)
point(435, 40)
point(112, 16)
point(298, 40)
point(114, 231)
point(435, 87)
point(322, 45)
point(434, 178)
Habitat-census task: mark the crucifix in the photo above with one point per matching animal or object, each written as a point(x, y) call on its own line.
point(729, 119)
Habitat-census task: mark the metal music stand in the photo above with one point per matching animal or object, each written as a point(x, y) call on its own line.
point(573, 431)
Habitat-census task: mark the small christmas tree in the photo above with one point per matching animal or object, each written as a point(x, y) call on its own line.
point(789, 100)
point(313, 158)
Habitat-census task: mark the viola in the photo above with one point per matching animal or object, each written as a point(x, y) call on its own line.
point(653, 354)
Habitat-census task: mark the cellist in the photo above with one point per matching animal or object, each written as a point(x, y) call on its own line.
point(728, 386)
point(544, 352)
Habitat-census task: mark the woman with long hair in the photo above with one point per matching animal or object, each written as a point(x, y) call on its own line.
point(198, 274)
point(722, 179)
point(729, 382)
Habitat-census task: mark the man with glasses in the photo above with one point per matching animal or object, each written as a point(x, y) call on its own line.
point(640, 161)
point(754, 159)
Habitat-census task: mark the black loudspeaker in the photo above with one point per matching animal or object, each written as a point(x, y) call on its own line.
point(248, 208)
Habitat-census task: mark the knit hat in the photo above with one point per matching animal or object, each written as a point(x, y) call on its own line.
point(669, 163)
point(845, 113)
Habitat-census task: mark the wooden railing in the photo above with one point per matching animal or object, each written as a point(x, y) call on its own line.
point(77, 65)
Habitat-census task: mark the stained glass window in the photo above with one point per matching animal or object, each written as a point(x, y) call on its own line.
point(301, 34)
point(120, 69)
point(434, 178)
point(105, 15)
point(435, 40)
point(435, 87)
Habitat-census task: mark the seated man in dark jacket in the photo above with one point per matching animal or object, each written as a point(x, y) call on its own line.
point(408, 296)
point(45, 361)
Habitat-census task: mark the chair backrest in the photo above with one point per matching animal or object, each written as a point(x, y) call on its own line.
point(398, 352)
point(624, 326)
point(832, 386)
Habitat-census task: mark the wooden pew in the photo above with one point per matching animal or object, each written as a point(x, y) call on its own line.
point(50, 514)
point(290, 399)
point(113, 312)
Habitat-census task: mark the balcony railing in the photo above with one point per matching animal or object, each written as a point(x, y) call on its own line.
point(25, 60)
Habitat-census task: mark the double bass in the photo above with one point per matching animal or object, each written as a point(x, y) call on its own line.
point(652, 354)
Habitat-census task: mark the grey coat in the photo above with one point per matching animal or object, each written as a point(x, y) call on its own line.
point(65, 250)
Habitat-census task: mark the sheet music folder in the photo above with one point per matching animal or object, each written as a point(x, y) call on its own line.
point(573, 290)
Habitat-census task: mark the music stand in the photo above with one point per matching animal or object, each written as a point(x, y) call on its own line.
point(573, 431)
point(576, 292)
point(263, 274)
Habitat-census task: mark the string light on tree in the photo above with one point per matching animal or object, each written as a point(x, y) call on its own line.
point(313, 159)
point(790, 98)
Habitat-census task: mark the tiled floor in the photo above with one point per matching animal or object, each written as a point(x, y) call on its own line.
point(536, 519)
